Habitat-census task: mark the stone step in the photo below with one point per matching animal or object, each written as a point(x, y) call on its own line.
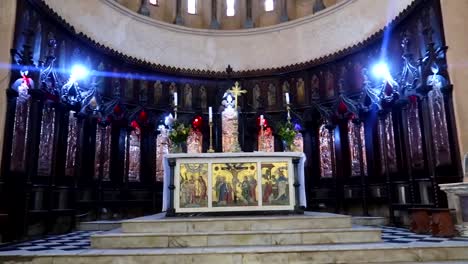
point(343, 253)
point(159, 224)
point(235, 238)
point(102, 225)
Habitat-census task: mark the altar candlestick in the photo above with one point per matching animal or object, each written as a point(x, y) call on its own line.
point(210, 114)
point(287, 98)
point(175, 99)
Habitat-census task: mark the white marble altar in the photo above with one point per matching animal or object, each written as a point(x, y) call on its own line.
point(230, 182)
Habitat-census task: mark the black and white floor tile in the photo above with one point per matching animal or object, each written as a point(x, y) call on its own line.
point(80, 240)
point(404, 236)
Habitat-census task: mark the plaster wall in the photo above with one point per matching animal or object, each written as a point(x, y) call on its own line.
point(7, 26)
point(454, 20)
point(329, 31)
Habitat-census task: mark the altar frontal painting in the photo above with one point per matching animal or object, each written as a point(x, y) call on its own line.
point(193, 185)
point(234, 184)
point(275, 183)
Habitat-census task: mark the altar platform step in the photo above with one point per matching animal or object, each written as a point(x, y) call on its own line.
point(117, 239)
point(319, 254)
point(160, 224)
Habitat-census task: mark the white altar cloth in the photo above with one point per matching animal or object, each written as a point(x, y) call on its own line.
point(253, 155)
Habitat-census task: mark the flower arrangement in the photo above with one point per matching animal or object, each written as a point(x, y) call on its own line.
point(179, 133)
point(287, 132)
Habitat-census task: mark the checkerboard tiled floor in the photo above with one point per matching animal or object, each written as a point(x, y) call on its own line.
point(80, 240)
point(404, 236)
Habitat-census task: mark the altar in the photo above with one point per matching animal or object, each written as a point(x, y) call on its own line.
point(234, 182)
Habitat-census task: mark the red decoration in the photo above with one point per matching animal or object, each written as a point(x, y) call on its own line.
point(388, 89)
point(143, 116)
point(413, 99)
point(265, 122)
point(342, 108)
point(134, 124)
point(117, 110)
point(197, 122)
point(26, 80)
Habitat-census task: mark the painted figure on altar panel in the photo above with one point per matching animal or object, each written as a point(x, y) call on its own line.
point(300, 91)
point(230, 125)
point(103, 147)
point(129, 86)
point(72, 144)
point(143, 92)
point(203, 97)
point(187, 96)
point(266, 141)
point(162, 148)
point(354, 135)
point(172, 88)
point(358, 76)
point(193, 185)
point(298, 143)
point(285, 89)
point(438, 120)
point(386, 135)
point(414, 134)
point(275, 183)
point(314, 87)
point(255, 96)
point(329, 84)
point(326, 142)
point(194, 141)
point(20, 126)
point(46, 145)
point(235, 184)
point(115, 85)
point(157, 92)
point(134, 155)
point(271, 95)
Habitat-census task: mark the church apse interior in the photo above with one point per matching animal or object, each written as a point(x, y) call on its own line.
point(115, 110)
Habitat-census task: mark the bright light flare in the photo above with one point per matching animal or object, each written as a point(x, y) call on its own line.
point(78, 72)
point(381, 70)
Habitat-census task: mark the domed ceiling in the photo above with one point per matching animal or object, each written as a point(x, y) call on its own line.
point(302, 40)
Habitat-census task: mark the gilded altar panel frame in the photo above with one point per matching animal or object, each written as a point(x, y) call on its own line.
point(259, 207)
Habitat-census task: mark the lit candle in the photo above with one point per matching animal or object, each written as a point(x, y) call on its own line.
point(262, 121)
point(210, 114)
point(175, 99)
point(287, 97)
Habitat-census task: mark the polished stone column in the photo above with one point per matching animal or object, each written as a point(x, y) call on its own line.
point(214, 15)
point(284, 11)
point(248, 20)
point(179, 20)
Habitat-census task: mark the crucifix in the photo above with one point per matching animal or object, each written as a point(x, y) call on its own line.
point(237, 91)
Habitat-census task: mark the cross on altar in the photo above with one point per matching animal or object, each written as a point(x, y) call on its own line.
point(237, 91)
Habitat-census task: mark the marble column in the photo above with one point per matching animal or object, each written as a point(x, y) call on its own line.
point(179, 20)
point(248, 18)
point(284, 11)
point(453, 16)
point(7, 30)
point(214, 15)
